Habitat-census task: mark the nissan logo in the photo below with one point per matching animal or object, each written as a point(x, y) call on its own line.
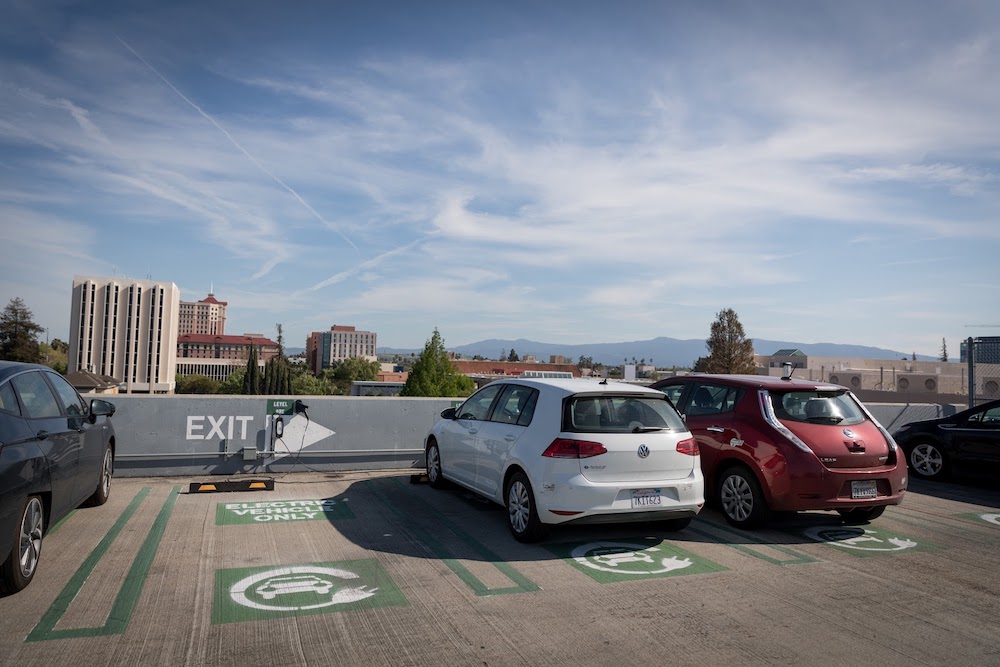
point(849, 433)
point(643, 451)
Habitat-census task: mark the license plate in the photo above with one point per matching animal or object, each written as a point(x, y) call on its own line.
point(646, 498)
point(862, 490)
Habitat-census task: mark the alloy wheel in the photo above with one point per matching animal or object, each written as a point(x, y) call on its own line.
point(433, 464)
point(737, 497)
point(518, 506)
point(30, 542)
point(107, 472)
point(927, 460)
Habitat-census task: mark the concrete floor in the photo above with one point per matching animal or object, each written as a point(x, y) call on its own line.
point(368, 569)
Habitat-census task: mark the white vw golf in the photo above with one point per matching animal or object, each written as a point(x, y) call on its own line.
point(570, 450)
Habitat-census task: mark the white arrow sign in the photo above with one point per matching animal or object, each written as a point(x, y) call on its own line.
point(299, 433)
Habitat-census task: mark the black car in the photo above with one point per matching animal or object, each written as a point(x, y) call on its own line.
point(56, 452)
point(968, 441)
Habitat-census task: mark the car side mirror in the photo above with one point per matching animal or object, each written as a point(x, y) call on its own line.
point(448, 413)
point(99, 408)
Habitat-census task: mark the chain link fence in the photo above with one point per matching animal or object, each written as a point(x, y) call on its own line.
point(983, 358)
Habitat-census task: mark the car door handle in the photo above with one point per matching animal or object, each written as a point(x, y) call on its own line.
point(473, 431)
point(42, 435)
point(716, 429)
point(510, 437)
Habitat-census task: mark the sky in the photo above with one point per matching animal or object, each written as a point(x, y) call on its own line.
point(565, 172)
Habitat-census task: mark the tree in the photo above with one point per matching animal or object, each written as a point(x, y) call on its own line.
point(196, 384)
point(234, 383)
point(354, 369)
point(513, 356)
point(944, 351)
point(19, 333)
point(433, 374)
point(53, 357)
point(729, 350)
point(252, 379)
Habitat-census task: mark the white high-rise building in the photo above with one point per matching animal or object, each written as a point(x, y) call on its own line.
point(127, 329)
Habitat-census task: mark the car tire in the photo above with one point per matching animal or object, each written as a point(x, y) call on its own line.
point(18, 569)
point(673, 525)
point(741, 499)
point(103, 490)
point(927, 461)
point(862, 515)
point(522, 514)
point(434, 476)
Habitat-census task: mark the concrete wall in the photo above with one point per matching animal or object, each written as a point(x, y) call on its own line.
point(195, 435)
point(234, 435)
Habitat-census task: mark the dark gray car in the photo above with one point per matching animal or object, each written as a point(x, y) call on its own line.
point(56, 452)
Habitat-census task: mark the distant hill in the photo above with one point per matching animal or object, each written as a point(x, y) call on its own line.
point(663, 352)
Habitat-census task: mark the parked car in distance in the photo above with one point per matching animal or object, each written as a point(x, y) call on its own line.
point(968, 441)
point(56, 452)
point(556, 451)
point(779, 444)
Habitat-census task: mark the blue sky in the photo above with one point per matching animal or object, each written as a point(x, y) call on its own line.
point(566, 172)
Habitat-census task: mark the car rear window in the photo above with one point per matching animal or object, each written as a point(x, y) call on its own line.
point(619, 413)
point(817, 407)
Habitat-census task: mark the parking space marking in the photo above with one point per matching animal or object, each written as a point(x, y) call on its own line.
point(274, 511)
point(796, 557)
point(991, 518)
point(521, 583)
point(128, 595)
point(607, 561)
point(262, 593)
point(866, 542)
point(968, 532)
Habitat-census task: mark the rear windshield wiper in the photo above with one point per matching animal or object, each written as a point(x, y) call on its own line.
point(648, 429)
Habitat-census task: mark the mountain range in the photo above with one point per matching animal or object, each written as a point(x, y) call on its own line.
point(662, 352)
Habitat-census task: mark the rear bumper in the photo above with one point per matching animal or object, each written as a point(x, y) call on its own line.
point(831, 489)
point(573, 498)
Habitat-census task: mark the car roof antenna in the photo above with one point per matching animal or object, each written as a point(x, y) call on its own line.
point(788, 367)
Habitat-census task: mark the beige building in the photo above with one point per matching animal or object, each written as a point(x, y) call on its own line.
point(207, 317)
point(218, 357)
point(324, 348)
point(126, 329)
point(903, 376)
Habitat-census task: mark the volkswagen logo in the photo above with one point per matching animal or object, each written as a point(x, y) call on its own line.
point(643, 451)
point(849, 433)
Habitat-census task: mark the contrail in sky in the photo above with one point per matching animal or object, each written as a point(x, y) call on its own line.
point(237, 144)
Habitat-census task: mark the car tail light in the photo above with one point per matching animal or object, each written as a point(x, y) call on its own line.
point(564, 448)
point(689, 447)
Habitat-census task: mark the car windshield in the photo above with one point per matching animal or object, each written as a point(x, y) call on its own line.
point(620, 414)
point(817, 407)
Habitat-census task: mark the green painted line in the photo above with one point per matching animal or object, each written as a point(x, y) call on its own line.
point(439, 550)
point(59, 523)
point(921, 522)
point(797, 558)
point(128, 596)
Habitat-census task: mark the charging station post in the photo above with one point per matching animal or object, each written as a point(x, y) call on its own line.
point(277, 410)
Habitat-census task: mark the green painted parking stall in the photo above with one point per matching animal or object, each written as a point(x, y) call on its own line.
point(120, 615)
point(277, 511)
point(410, 508)
point(262, 593)
point(749, 544)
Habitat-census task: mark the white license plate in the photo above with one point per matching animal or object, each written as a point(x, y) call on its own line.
point(862, 490)
point(646, 498)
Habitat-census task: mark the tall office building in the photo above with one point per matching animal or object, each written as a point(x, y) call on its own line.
point(127, 329)
point(206, 317)
point(324, 348)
